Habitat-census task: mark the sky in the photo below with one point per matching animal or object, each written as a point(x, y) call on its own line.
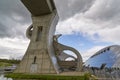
point(86, 25)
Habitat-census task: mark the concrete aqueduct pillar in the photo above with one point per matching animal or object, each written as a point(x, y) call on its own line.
point(39, 57)
point(42, 53)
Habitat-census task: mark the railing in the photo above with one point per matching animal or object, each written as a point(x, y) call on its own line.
point(104, 74)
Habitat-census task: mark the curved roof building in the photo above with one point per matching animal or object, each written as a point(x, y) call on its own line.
point(109, 56)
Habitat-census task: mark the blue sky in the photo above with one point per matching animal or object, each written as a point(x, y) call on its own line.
point(82, 44)
point(86, 25)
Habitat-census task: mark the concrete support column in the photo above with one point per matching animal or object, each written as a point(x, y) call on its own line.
point(40, 56)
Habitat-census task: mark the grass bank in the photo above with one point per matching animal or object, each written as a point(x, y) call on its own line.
point(46, 77)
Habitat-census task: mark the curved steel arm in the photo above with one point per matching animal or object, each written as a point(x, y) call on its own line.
point(59, 48)
point(63, 56)
point(29, 31)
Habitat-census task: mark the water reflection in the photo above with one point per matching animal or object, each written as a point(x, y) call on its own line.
point(4, 78)
point(104, 58)
point(109, 56)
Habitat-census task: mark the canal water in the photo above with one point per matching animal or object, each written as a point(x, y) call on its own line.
point(4, 78)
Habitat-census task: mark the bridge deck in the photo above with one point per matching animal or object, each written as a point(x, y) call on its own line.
point(39, 7)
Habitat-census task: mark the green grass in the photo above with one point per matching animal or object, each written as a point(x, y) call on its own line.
point(46, 77)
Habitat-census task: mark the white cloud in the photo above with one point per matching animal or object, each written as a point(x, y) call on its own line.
point(13, 43)
point(12, 47)
point(68, 8)
point(110, 34)
point(14, 19)
point(99, 23)
point(104, 10)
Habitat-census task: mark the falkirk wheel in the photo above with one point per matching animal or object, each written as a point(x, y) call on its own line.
point(45, 55)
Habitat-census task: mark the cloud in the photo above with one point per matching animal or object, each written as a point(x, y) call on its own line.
point(13, 47)
point(97, 23)
point(14, 19)
point(104, 10)
point(68, 8)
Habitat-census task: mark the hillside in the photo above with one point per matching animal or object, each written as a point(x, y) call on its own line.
point(6, 62)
